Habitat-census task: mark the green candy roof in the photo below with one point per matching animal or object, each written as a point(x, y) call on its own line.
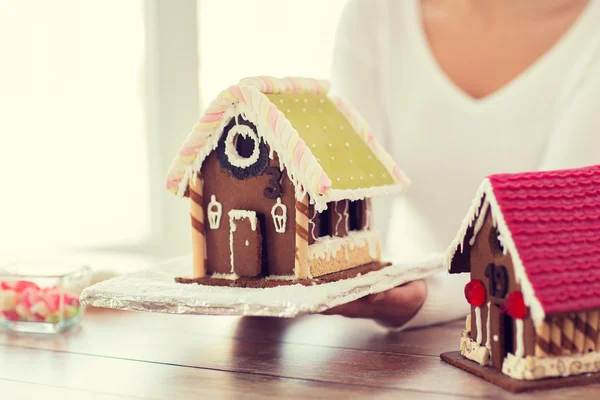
point(342, 153)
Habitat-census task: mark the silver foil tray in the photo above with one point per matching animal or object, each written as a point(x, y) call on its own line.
point(154, 290)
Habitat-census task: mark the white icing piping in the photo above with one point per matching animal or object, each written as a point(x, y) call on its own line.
point(230, 145)
point(232, 276)
point(279, 220)
point(311, 222)
point(487, 327)
point(215, 211)
point(233, 215)
point(478, 324)
point(327, 247)
point(339, 219)
point(520, 350)
point(281, 277)
point(480, 220)
point(356, 194)
point(239, 214)
point(368, 215)
point(347, 217)
point(504, 235)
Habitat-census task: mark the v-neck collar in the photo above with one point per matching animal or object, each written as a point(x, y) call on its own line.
point(575, 34)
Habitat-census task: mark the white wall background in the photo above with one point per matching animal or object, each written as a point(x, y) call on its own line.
point(73, 152)
point(240, 38)
point(96, 98)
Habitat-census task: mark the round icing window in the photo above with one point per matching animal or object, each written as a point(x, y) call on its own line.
point(241, 151)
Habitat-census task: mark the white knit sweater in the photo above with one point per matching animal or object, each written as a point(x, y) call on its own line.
point(446, 141)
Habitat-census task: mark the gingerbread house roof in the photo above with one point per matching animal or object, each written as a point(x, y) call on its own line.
point(328, 150)
point(549, 222)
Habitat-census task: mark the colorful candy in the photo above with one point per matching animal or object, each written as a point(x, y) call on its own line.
point(26, 301)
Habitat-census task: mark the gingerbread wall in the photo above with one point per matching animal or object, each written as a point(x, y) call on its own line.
point(249, 194)
point(483, 253)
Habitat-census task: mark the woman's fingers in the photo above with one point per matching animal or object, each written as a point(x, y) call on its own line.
point(393, 307)
point(355, 309)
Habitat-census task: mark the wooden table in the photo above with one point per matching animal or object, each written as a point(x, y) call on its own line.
point(126, 355)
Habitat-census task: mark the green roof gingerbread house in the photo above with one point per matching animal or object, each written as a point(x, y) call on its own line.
point(280, 176)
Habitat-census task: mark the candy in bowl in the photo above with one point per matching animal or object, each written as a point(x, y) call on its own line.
point(41, 297)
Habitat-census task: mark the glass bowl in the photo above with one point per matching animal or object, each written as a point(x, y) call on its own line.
point(42, 297)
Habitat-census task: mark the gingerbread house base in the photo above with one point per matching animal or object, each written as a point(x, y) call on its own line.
point(261, 282)
point(516, 386)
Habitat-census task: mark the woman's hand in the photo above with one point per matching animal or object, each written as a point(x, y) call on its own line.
point(392, 308)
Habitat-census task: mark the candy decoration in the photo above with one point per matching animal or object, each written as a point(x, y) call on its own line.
point(475, 293)
point(8, 300)
point(515, 306)
point(11, 315)
point(26, 301)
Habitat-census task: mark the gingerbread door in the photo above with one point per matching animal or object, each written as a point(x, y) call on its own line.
point(245, 243)
point(501, 327)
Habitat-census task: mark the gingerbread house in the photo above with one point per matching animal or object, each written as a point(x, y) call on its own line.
point(531, 242)
point(279, 176)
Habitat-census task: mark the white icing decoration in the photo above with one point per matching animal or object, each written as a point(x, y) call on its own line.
point(230, 150)
point(280, 277)
point(313, 225)
point(505, 238)
point(279, 220)
point(233, 215)
point(480, 221)
point(327, 247)
point(478, 325)
point(496, 338)
point(347, 217)
point(520, 350)
point(239, 214)
point(473, 351)
point(232, 276)
point(215, 211)
point(532, 368)
point(338, 220)
point(487, 327)
point(368, 215)
point(247, 243)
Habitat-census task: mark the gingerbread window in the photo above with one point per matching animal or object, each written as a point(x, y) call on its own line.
point(241, 151)
point(325, 222)
point(356, 215)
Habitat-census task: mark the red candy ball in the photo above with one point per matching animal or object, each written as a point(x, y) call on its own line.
point(475, 293)
point(515, 305)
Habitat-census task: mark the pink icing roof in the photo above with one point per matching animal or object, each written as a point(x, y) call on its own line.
point(550, 222)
